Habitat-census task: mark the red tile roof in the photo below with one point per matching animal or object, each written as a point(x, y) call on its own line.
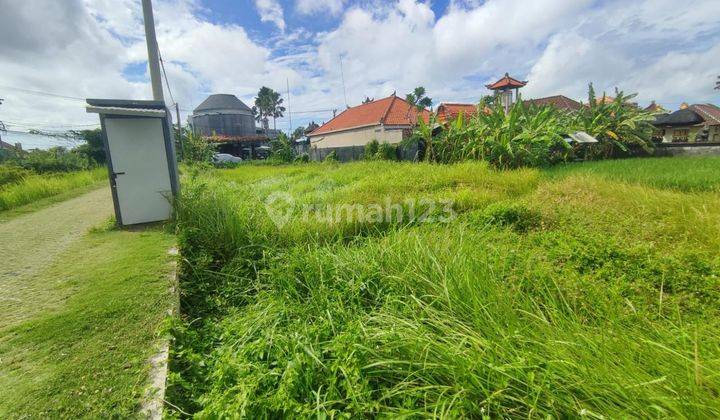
point(709, 112)
point(506, 82)
point(388, 111)
point(558, 101)
point(450, 112)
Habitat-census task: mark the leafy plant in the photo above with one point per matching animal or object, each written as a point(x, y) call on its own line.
point(371, 149)
point(622, 128)
point(331, 157)
point(281, 149)
point(196, 148)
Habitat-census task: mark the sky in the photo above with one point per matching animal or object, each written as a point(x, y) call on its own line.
point(663, 50)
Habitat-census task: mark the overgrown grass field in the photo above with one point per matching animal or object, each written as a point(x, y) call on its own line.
point(18, 188)
point(585, 290)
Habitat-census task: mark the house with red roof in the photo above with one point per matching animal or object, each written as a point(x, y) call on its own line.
point(387, 120)
point(561, 102)
point(448, 111)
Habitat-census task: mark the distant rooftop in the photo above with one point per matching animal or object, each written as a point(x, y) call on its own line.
point(506, 82)
point(388, 111)
point(221, 101)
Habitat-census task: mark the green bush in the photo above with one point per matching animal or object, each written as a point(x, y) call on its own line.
point(281, 149)
point(10, 174)
point(331, 157)
point(93, 148)
point(196, 149)
point(302, 158)
point(371, 150)
point(387, 151)
point(55, 159)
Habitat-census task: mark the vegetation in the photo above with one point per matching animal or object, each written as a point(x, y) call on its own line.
point(268, 104)
point(418, 98)
point(19, 187)
point(281, 149)
point(380, 151)
point(79, 348)
point(583, 291)
point(531, 136)
point(196, 150)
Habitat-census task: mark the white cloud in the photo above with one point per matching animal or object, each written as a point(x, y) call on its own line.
point(670, 54)
point(271, 11)
point(308, 7)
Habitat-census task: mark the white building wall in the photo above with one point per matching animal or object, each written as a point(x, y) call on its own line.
point(358, 137)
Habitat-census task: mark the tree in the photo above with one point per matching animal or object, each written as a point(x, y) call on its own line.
point(276, 108)
point(298, 133)
point(94, 147)
point(419, 98)
point(266, 106)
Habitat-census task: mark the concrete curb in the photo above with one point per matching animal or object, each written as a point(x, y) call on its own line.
point(154, 397)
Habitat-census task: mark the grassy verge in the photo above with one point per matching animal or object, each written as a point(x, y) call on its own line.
point(680, 173)
point(546, 295)
point(34, 188)
point(94, 320)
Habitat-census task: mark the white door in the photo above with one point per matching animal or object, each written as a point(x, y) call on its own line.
point(139, 162)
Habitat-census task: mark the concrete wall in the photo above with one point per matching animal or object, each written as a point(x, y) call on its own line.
point(689, 149)
point(358, 137)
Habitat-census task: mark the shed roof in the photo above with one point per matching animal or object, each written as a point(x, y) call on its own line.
point(222, 101)
point(389, 111)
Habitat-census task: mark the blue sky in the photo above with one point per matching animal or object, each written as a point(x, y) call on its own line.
point(661, 49)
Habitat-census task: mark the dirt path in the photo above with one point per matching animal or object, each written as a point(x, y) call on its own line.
point(32, 242)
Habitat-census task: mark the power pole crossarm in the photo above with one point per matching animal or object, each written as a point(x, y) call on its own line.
point(152, 47)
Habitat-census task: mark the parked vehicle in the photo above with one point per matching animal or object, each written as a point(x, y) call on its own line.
point(225, 158)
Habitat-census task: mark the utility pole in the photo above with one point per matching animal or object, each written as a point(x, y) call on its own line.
point(289, 112)
point(342, 77)
point(152, 47)
point(179, 132)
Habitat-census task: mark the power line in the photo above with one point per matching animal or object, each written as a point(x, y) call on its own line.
point(41, 93)
point(162, 65)
point(312, 112)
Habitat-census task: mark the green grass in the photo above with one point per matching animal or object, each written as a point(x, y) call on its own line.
point(33, 188)
point(566, 293)
point(681, 173)
point(79, 347)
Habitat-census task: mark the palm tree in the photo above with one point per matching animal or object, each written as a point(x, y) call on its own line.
point(419, 98)
point(276, 108)
point(263, 106)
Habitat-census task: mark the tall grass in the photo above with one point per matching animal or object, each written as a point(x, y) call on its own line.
point(547, 296)
point(33, 187)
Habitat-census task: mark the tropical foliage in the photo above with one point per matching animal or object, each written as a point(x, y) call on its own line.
point(196, 149)
point(281, 149)
point(532, 136)
point(268, 104)
point(418, 98)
